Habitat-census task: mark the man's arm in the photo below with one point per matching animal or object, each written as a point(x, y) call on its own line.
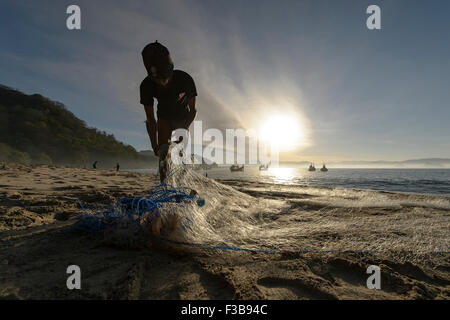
point(192, 112)
point(151, 127)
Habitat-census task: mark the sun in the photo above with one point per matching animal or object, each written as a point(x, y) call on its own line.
point(282, 131)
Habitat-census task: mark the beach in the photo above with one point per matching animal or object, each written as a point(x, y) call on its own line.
point(342, 232)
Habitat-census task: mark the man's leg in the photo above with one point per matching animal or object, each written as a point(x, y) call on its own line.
point(164, 135)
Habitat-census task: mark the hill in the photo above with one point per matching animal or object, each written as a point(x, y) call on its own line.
point(35, 129)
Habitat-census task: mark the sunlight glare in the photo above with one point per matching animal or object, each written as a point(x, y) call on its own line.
point(285, 132)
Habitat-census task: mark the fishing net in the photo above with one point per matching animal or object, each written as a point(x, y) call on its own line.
point(201, 210)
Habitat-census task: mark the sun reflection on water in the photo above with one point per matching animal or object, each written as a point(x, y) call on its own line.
point(282, 175)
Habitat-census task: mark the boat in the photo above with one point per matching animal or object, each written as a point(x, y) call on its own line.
point(264, 167)
point(324, 169)
point(311, 167)
point(236, 168)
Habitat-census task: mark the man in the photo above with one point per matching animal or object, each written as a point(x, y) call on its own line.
point(175, 92)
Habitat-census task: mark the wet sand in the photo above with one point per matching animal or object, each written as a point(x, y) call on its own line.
point(38, 206)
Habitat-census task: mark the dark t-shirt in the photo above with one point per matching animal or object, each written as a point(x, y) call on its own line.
point(173, 99)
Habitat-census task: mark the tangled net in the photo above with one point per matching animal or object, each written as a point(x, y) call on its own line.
point(132, 210)
point(211, 213)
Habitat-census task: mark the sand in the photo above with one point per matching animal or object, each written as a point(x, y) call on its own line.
point(38, 207)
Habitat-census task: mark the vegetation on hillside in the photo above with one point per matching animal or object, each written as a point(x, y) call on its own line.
point(34, 129)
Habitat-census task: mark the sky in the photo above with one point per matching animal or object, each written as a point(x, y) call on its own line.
point(359, 94)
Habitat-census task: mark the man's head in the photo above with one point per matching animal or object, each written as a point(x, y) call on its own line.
point(158, 62)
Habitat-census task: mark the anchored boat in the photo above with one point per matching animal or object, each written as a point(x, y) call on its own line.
point(264, 167)
point(236, 168)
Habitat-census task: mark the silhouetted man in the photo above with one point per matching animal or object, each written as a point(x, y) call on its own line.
point(175, 92)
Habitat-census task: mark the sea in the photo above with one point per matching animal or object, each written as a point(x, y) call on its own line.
point(421, 181)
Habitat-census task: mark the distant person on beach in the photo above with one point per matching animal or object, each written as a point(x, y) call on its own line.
point(117, 166)
point(94, 165)
point(176, 94)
